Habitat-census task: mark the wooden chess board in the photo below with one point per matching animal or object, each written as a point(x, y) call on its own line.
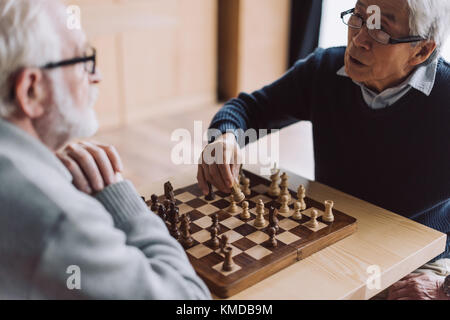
point(254, 258)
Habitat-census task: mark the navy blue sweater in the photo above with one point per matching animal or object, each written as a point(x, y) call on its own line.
point(397, 158)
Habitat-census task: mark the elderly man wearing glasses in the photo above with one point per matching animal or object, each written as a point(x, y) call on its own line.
point(381, 120)
point(57, 242)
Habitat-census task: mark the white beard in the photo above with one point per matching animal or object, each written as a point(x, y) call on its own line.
point(64, 121)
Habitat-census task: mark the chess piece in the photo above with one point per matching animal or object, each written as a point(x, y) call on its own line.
point(246, 187)
point(328, 216)
point(154, 203)
point(274, 189)
point(215, 222)
point(273, 241)
point(186, 239)
point(174, 212)
point(236, 194)
point(167, 205)
point(211, 195)
point(168, 191)
point(284, 185)
point(233, 208)
point(214, 238)
point(313, 222)
point(273, 219)
point(260, 221)
point(297, 211)
point(223, 243)
point(301, 194)
point(245, 214)
point(173, 225)
point(162, 212)
point(284, 204)
point(228, 263)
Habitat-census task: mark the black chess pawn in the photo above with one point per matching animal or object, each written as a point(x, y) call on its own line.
point(223, 243)
point(215, 221)
point(273, 240)
point(186, 239)
point(214, 238)
point(154, 203)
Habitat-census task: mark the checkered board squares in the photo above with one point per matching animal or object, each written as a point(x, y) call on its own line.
point(253, 255)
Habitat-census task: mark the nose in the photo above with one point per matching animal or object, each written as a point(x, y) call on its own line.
point(96, 77)
point(362, 39)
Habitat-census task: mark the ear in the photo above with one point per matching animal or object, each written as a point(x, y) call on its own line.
point(30, 92)
point(422, 52)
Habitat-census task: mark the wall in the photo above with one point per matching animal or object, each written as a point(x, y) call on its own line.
point(157, 57)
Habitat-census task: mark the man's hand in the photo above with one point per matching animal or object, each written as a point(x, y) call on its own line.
point(93, 166)
point(219, 164)
point(418, 286)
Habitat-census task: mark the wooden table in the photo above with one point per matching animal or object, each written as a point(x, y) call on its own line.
point(395, 244)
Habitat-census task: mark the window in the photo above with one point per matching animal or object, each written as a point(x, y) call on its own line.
point(334, 33)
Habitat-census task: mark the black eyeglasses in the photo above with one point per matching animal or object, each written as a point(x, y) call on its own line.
point(89, 60)
point(356, 22)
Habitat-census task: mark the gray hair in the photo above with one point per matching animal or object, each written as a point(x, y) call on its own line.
point(430, 19)
point(28, 38)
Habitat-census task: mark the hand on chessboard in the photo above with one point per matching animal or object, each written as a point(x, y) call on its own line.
point(93, 166)
point(219, 164)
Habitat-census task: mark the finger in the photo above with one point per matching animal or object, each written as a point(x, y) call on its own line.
point(227, 176)
point(87, 163)
point(79, 180)
point(113, 156)
point(103, 162)
point(202, 180)
point(217, 178)
point(206, 174)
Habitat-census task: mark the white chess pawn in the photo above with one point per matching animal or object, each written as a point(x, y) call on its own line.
point(246, 187)
point(233, 208)
point(313, 222)
point(260, 221)
point(297, 211)
point(328, 216)
point(284, 204)
point(245, 213)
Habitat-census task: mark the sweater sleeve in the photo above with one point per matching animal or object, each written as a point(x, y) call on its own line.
point(137, 259)
point(275, 106)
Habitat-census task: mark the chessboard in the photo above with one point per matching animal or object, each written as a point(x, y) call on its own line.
point(253, 255)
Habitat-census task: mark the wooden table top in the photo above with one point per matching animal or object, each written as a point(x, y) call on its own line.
point(395, 244)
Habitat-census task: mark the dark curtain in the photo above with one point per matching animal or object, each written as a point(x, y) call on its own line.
point(305, 28)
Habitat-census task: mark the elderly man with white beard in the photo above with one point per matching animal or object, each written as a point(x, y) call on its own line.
point(51, 228)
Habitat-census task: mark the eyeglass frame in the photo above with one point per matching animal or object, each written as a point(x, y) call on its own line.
point(391, 39)
point(69, 62)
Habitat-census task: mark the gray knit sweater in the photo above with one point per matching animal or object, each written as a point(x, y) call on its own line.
point(55, 239)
